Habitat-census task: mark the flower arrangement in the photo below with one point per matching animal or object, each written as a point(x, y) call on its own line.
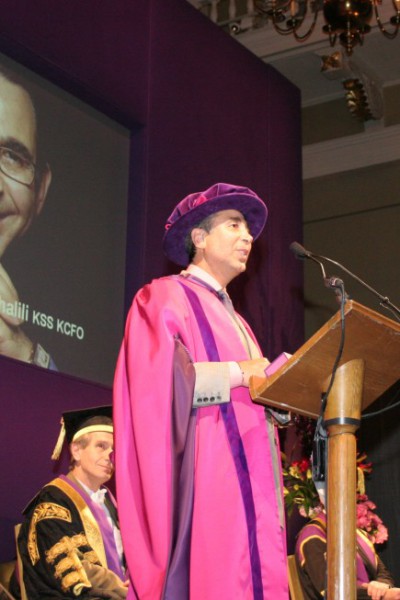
point(300, 492)
point(299, 489)
point(369, 521)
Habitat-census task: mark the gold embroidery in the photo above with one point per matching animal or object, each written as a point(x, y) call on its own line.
point(45, 510)
point(91, 557)
point(65, 564)
point(69, 580)
point(65, 546)
point(69, 546)
point(92, 530)
point(77, 576)
point(78, 579)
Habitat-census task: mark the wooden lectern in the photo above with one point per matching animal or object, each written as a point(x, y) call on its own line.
point(370, 364)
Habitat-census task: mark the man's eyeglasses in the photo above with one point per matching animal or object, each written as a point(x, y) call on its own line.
point(16, 166)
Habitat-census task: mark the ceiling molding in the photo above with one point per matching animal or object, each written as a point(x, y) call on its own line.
point(352, 152)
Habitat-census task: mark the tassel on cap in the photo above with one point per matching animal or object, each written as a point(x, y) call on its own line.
point(60, 441)
point(360, 481)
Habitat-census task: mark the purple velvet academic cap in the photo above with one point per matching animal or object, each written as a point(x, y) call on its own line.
point(196, 207)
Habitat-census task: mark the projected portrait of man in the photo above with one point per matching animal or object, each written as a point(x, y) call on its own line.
point(24, 183)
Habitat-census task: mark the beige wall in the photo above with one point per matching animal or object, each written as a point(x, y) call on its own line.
point(352, 217)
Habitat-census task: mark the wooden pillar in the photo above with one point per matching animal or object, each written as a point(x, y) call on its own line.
point(342, 419)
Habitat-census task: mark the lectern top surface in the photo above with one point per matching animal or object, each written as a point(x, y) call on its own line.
point(299, 383)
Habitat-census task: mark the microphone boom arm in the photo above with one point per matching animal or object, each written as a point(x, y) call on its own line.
point(302, 253)
point(384, 300)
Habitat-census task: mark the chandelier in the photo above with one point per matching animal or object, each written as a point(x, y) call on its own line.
point(346, 21)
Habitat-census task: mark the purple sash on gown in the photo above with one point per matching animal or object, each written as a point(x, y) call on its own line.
point(236, 445)
point(105, 528)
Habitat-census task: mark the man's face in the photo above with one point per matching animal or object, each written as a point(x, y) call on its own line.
point(19, 203)
point(93, 463)
point(224, 251)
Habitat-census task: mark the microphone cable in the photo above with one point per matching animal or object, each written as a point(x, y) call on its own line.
point(380, 411)
point(320, 448)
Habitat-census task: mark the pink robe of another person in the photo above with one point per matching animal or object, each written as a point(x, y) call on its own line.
point(199, 490)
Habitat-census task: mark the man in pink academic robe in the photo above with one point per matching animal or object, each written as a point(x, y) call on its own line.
point(197, 462)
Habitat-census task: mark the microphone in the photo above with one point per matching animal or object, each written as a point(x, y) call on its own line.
point(302, 253)
point(299, 250)
point(330, 282)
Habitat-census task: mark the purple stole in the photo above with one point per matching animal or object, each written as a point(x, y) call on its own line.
point(365, 548)
point(105, 528)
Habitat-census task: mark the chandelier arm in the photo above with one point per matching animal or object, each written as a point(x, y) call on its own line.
point(395, 20)
point(302, 38)
point(282, 31)
point(294, 28)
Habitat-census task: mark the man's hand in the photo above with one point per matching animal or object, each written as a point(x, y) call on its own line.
point(256, 366)
point(378, 590)
point(13, 341)
point(104, 582)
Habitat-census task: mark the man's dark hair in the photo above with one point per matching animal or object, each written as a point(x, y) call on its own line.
point(205, 224)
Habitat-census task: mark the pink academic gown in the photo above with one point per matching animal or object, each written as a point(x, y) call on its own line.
point(197, 501)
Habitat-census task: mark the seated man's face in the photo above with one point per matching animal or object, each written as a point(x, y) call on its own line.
point(93, 462)
point(19, 203)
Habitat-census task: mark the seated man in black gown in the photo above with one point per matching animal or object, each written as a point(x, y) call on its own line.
point(70, 544)
point(373, 579)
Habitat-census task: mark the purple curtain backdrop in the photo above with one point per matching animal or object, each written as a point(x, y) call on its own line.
point(201, 109)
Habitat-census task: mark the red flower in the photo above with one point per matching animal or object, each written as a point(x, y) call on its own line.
point(304, 465)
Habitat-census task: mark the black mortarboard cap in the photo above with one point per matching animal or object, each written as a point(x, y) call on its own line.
point(73, 425)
